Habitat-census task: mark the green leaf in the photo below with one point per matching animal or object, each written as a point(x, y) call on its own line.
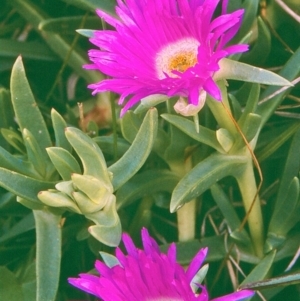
point(273, 282)
point(68, 25)
point(58, 44)
point(64, 162)
point(230, 69)
point(23, 186)
point(22, 226)
point(109, 259)
point(93, 188)
point(262, 47)
point(108, 227)
point(28, 50)
point(229, 214)
point(59, 126)
point(23, 101)
point(6, 114)
point(88, 33)
point(37, 156)
point(53, 198)
point(14, 139)
point(290, 71)
point(250, 13)
point(251, 91)
point(291, 170)
point(135, 157)
point(203, 176)
point(149, 102)
point(48, 254)
point(271, 145)
point(17, 164)
point(90, 154)
point(105, 5)
point(225, 139)
point(280, 222)
point(146, 183)
point(106, 143)
point(130, 124)
point(205, 135)
point(261, 270)
point(10, 289)
point(250, 127)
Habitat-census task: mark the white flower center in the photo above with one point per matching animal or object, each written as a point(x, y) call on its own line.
point(178, 56)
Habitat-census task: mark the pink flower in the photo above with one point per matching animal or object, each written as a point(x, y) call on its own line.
point(163, 47)
point(148, 274)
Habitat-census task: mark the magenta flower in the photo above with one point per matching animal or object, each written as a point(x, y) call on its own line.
point(163, 47)
point(148, 275)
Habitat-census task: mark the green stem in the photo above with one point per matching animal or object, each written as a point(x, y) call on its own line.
point(219, 112)
point(48, 254)
point(186, 215)
point(248, 188)
point(186, 219)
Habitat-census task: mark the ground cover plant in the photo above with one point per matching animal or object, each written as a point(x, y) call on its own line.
point(149, 150)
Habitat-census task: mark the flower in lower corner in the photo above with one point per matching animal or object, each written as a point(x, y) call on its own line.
point(163, 47)
point(148, 275)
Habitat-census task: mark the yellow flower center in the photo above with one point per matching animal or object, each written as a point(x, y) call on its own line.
point(176, 56)
point(182, 61)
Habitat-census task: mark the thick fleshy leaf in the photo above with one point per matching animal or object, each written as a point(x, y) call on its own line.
point(273, 282)
point(149, 102)
point(203, 176)
point(261, 270)
point(37, 155)
point(48, 254)
point(23, 101)
point(58, 199)
point(90, 154)
point(16, 164)
point(59, 126)
point(93, 188)
point(64, 162)
point(204, 135)
point(109, 259)
point(138, 152)
point(230, 69)
point(23, 186)
point(225, 139)
point(14, 139)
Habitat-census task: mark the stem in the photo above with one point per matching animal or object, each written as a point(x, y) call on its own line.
point(186, 215)
point(186, 219)
point(248, 188)
point(48, 254)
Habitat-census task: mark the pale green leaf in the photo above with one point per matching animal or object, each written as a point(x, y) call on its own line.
point(90, 154)
point(23, 101)
point(138, 152)
point(48, 254)
point(230, 69)
point(64, 162)
point(203, 176)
